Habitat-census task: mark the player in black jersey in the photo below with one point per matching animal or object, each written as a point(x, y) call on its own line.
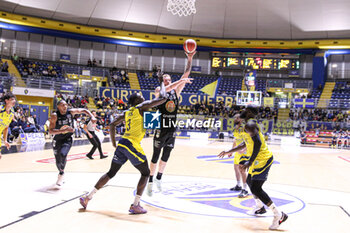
point(165, 137)
point(61, 125)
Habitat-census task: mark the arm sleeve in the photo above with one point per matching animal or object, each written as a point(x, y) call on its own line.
point(256, 149)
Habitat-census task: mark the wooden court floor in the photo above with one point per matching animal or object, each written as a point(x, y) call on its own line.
point(311, 184)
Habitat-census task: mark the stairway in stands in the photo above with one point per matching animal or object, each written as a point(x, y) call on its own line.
point(326, 94)
point(91, 105)
point(283, 114)
point(134, 81)
point(14, 72)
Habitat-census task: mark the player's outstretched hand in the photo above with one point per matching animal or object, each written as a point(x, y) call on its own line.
point(188, 80)
point(190, 55)
point(7, 145)
point(222, 154)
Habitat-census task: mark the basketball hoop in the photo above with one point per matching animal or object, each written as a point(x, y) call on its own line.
point(181, 7)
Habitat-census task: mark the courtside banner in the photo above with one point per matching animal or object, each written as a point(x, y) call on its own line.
point(184, 99)
point(33, 92)
point(32, 138)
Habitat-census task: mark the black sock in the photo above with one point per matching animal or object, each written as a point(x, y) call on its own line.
point(159, 176)
point(150, 179)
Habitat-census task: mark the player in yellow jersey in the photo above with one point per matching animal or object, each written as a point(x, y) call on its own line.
point(240, 157)
point(259, 165)
point(129, 147)
point(6, 116)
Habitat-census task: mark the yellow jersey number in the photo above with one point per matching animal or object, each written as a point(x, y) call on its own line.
point(128, 125)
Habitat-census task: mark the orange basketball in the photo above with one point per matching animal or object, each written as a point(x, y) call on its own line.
point(190, 46)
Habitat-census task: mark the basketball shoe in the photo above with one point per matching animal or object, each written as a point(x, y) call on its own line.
point(84, 200)
point(244, 193)
point(60, 180)
point(159, 184)
point(257, 211)
point(236, 188)
point(278, 220)
point(138, 209)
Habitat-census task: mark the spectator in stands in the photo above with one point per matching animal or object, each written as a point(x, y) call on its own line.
point(22, 123)
point(302, 137)
point(69, 100)
point(18, 113)
point(14, 58)
point(94, 62)
point(5, 67)
point(84, 103)
point(14, 130)
point(89, 63)
point(77, 126)
point(37, 124)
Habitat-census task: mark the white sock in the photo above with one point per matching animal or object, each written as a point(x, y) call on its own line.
point(92, 193)
point(258, 203)
point(245, 186)
point(137, 200)
point(274, 209)
point(239, 183)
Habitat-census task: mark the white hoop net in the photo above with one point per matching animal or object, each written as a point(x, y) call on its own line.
point(182, 7)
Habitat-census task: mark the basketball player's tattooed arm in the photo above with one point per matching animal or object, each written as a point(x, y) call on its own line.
point(174, 85)
point(52, 126)
point(83, 111)
point(146, 105)
point(118, 120)
point(253, 130)
point(186, 73)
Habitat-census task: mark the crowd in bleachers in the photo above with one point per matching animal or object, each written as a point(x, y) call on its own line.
point(221, 110)
point(110, 103)
point(23, 122)
point(39, 69)
point(4, 67)
point(74, 101)
point(119, 77)
point(92, 63)
point(319, 115)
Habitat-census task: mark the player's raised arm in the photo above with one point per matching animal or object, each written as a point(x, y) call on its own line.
point(175, 85)
point(118, 120)
point(81, 111)
point(186, 73)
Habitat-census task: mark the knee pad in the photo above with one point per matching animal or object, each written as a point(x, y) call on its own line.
point(111, 173)
point(113, 170)
point(166, 153)
point(145, 172)
point(255, 189)
point(156, 153)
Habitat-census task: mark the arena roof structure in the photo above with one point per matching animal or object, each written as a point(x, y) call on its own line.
point(236, 19)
